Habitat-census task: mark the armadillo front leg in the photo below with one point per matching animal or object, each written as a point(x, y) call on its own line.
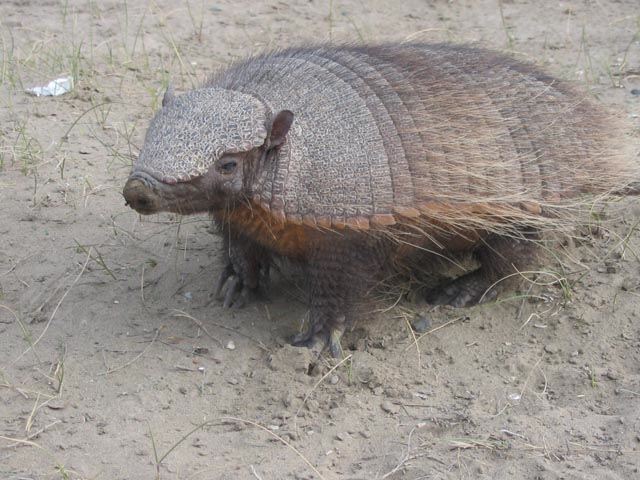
point(339, 273)
point(246, 263)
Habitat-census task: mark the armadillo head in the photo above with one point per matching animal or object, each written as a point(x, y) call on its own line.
point(202, 150)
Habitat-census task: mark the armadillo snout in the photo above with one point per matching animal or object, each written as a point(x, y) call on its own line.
point(140, 196)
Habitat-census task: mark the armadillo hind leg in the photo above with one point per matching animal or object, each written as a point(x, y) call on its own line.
point(247, 266)
point(470, 289)
point(339, 273)
point(499, 257)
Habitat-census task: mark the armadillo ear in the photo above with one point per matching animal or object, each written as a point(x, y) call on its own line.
point(169, 96)
point(280, 127)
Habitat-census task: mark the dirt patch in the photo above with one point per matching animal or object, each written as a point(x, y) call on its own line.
point(114, 361)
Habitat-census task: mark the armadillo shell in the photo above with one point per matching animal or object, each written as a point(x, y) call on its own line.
point(456, 135)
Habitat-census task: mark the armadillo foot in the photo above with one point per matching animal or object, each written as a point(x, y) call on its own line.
point(468, 290)
point(319, 341)
point(232, 289)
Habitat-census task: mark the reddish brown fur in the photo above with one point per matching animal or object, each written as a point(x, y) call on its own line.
point(293, 239)
point(284, 238)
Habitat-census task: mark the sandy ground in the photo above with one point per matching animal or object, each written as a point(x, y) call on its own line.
point(116, 364)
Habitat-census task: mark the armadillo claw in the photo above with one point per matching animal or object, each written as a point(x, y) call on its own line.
point(302, 339)
point(226, 273)
point(233, 285)
point(233, 290)
point(320, 341)
point(243, 297)
point(335, 335)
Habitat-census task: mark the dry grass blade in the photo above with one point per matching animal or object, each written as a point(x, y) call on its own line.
point(55, 310)
point(26, 334)
point(31, 436)
point(624, 390)
point(556, 280)
point(159, 460)
point(180, 313)
point(415, 340)
point(469, 443)
point(255, 474)
point(280, 439)
point(22, 442)
point(405, 458)
point(65, 135)
point(528, 378)
point(433, 330)
point(98, 259)
point(132, 361)
point(31, 416)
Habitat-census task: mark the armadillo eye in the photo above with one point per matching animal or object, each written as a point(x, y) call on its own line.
point(228, 165)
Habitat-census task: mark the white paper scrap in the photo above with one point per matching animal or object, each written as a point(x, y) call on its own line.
point(56, 87)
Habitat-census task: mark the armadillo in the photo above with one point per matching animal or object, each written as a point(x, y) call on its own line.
point(357, 161)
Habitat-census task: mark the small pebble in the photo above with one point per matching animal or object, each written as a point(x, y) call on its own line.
point(313, 405)
point(551, 349)
point(231, 345)
point(391, 392)
point(239, 426)
point(56, 404)
point(628, 284)
point(233, 381)
point(341, 436)
point(421, 323)
point(611, 375)
point(514, 397)
point(389, 407)
point(287, 399)
point(334, 379)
